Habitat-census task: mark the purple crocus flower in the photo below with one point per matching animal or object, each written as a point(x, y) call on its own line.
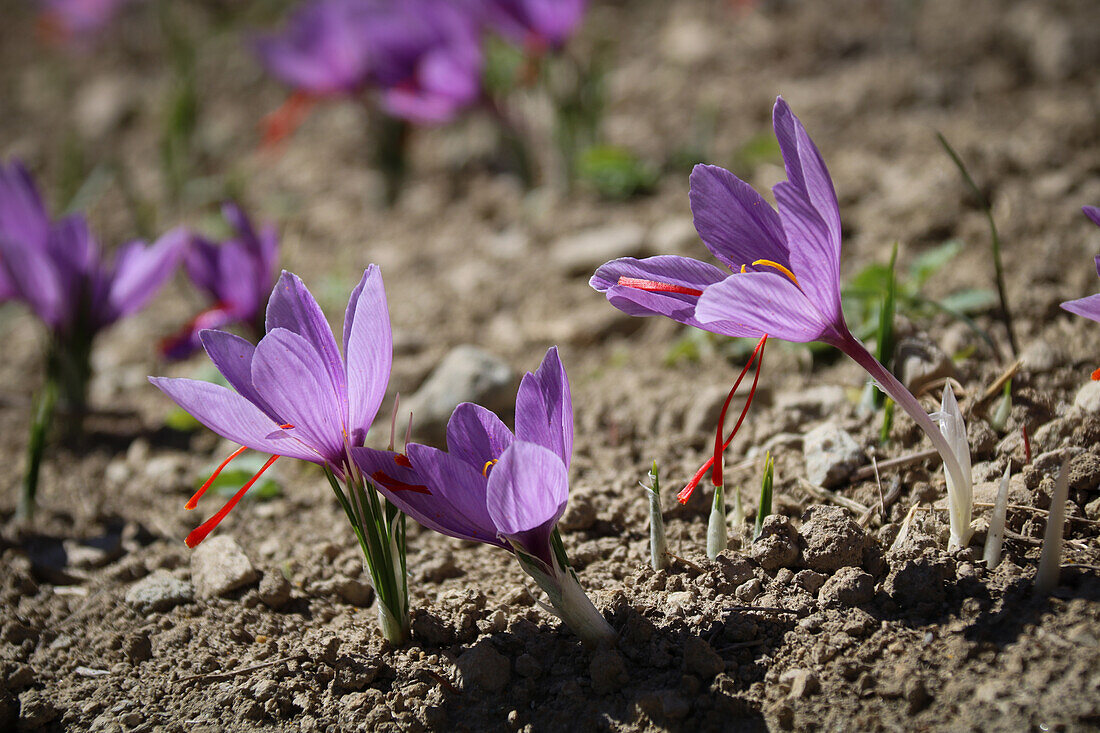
point(237, 274)
point(500, 488)
point(57, 270)
point(1088, 307)
point(535, 24)
point(782, 275)
point(423, 56)
point(295, 394)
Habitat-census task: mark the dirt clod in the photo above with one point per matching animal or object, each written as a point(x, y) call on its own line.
point(832, 540)
point(850, 586)
point(219, 567)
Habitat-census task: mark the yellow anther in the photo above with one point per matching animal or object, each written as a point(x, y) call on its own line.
point(777, 266)
point(742, 269)
point(485, 468)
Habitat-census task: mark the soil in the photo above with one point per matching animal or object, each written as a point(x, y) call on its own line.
point(110, 623)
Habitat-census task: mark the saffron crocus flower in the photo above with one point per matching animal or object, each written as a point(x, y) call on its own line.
point(782, 275)
point(297, 396)
point(500, 488)
point(1088, 307)
point(536, 24)
point(55, 268)
point(237, 274)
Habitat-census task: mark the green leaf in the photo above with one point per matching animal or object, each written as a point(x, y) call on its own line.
point(616, 172)
point(930, 262)
point(181, 420)
point(971, 300)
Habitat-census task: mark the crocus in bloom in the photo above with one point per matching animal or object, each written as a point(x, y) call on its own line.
point(237, 274)
point(423, 56)
point(537, 25)
point(56, 269)
point(294, 394)
point(1088, 307)
point(782, 268)
point(500, 488)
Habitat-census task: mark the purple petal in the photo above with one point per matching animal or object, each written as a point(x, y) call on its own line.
point(1088, 307)
point(476, 435)
point(189, 339)
point(735, 223)
point(23, 216)
point(765, 301)
point(141, 271)
point(238, 288)
point(200, 261)
point(458, 490)
point(1093, 213)
point(544, 408)
point(31, 274)
point(674, 270)
point(806, 169)
point(815, 257)
point(527, 493)
point(292, 307)
point(368, 349)
point(232, 355)
point(231, 416)
point(290, 374)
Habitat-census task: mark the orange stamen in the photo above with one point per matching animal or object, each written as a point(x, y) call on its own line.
point(199, 533)
point(488, 463)
point(654, 286)
point(719, 447)
point(277, 126)
point(776, 265)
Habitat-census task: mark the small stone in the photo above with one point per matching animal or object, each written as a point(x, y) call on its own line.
point(777, 545)
point(581, 253)
point(219, 567)
point(274, 590)
point(832, 540)
point(138, 647)
point(920, 362)
point(1088, 398)
point(748, 591)
point(831, 455)
point(849, 587)
point(355, 592)
point(466, 374)
point(700, 659)
point(801, 683)
point(809, 580)
point(485, 667)
point(160, 591)
point(608, 671)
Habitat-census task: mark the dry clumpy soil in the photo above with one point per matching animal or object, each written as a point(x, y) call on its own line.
point(109, 623)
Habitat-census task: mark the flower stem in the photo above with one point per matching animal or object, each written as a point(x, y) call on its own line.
point(40, 424)
point(717, 535)
point(851, 346)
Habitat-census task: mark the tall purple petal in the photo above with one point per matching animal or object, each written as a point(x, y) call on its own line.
point(232, 355)
point(368, 349)
point(1093, 213)
point(1088, 307)
point(765, 301)
point(31, 274)
point(735, 222)
point(527, 493)
point(23, 216)
point(141, 271)
point(544, 408)
point(476, 435)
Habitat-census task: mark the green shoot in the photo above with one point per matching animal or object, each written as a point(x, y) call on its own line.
point(995, 238)
point(1000, 416)
point(887, 421)
point(43, 415)
point(717, 534)
point(765, 507)
point(996, 533)
point(1050, 561)
point(658, 545)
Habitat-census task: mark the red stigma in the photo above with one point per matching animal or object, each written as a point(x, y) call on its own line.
point(194, 500)
point(389, 482)
point(1096, 376)
point(719, 445)
point(655, 286)
point(199, 533)
point(277, 126)
point(402, 460)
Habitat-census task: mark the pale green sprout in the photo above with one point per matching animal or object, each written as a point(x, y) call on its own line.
point(658, 545)
point(1050, 561)
point(1004, 409)
point(995, 536)
point(765, 507)
point(960, 493)
point(717, 534)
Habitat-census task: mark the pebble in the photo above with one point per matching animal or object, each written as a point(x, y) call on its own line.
point(748, 591)
point(801, 683)
point(219, 567)
point(485, 667)
point(920, 361)
point(831, 454)
point(809, 580)
point(777, 545)
point(274, 590)
point(832, 540)
point(466, 374)
point(1088, 398)
point(700, 659)
point(581, 253)
point(355, 592)
point(160, 591)
point(608, 671)
point(849, 587)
